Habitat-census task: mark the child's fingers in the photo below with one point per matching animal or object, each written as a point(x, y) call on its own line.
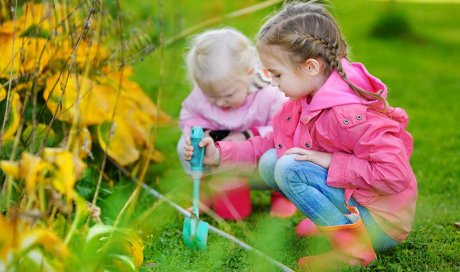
point(297, 150)
point(188, 148)
point(306, 157)
point(206, 141)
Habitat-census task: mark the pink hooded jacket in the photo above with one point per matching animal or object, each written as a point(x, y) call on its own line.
point(370, 150)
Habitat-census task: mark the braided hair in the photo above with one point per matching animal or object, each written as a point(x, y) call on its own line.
point(308, 30)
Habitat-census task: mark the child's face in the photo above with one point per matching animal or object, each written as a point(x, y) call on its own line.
point(293, 83)
point(228, 97)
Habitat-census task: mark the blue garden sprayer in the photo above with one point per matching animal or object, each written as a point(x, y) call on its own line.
point(195, 231)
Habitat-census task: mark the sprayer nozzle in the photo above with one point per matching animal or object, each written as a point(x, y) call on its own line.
point(197, 174)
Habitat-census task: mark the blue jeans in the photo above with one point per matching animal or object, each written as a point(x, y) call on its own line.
point(304, 183)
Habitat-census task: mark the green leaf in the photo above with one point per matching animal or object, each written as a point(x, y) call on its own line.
point(35, 31)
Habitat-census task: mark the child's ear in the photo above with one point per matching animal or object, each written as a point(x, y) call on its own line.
point(312, 66)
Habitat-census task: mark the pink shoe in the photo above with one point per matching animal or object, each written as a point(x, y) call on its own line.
point(306, 228)
point(281, 206)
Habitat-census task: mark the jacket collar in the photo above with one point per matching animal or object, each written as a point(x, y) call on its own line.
point(336, 92)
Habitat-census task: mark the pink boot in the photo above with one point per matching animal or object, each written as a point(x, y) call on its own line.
point(281, 206)
point(307, 228)
point(351, 245)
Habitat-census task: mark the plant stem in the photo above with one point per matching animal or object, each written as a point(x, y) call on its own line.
point(7, 108)
point(74, 226)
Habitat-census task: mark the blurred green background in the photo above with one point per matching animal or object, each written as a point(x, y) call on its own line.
point(413, 47)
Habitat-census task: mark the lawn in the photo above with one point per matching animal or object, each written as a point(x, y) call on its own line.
point(423, 77)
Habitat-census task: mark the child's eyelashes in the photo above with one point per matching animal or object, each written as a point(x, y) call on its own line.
point(275, 75)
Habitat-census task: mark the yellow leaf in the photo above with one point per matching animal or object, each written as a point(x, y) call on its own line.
point(30, 54)
point(84, 53)
point(118, 141)
point(83, 143)
point(2, 93)
point(47, 16)
point(24, 86)
point(14, 115)
point(134, 105)
point(56, 167)
point(46, 239)
point(139, 124)
point(30, 166)
point(17, 239)
point(91, 102)
point(136, 248)
point(156, 156)
point(7, 238)
point(10, 168)
point(10, 27)
point(66, 172)
point(132, 92)
point(34, 14)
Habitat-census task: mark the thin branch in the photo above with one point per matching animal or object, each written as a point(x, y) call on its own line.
point(9, 181)
point(72, 64)
point(7, 109)
point(122, 65)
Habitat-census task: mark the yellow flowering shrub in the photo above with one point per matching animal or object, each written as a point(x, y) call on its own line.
point(67, 107)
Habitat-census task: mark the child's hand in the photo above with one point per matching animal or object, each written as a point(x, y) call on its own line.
point(211, 153)
point(235, 136)
point(320, 158)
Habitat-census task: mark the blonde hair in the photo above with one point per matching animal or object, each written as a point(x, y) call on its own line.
point(308, 30)
point(220, 55)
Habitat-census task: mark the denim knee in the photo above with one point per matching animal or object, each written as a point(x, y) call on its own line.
point(289, 171)
point(284, 166)
point(267, 167)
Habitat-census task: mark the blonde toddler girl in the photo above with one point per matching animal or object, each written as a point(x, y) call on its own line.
point(232, 98)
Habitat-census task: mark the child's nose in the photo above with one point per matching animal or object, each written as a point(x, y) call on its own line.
point(220, 102)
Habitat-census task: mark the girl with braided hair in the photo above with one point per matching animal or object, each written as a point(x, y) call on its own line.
point(338, 151)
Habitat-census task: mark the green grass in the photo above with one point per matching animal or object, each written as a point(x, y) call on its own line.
point(422, 74)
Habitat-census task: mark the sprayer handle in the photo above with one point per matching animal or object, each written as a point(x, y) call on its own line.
point(196, 136)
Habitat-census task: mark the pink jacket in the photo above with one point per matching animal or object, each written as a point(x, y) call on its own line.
point(256, 113)
point(370, 150)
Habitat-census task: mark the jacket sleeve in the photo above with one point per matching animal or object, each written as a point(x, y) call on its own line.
point(244, 154)
point(376, 158)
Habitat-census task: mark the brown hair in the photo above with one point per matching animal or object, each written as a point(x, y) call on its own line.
point(308, 30)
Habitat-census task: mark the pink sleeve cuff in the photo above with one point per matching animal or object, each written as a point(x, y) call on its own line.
point(236, 155)
point(336, 176)
point(222, 153)
point(254, 131)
